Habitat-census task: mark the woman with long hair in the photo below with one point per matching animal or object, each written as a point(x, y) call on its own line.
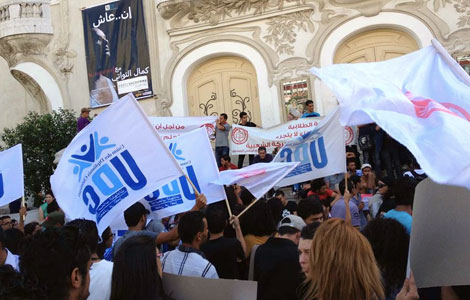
point(137, 271)
point(342, 265)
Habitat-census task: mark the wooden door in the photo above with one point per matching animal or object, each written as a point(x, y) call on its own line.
point(224, 84)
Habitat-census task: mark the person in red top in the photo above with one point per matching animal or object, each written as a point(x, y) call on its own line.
point(226, 164)
point(318, 187)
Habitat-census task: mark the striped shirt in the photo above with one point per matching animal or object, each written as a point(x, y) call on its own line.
point(188, 261)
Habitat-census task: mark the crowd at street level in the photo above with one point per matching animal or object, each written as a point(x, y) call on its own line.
point(328, 244)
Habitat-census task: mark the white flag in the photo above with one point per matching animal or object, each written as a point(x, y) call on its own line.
point(11, 174)
point(171, 127)
point(320, 153)
point(193, 152)
point(112, 163)
point(422, 100)
point(257, 178)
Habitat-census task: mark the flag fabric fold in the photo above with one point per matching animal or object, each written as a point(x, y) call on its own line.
point(11, 174)
point(320, 153)
point(112, 163)
point(421, 99)
point(257, 178)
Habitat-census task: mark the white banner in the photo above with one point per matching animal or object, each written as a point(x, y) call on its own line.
point(172, 127)
point(257, 178)
point(112, 163)
point(11, 175)
point(194, 153)
point(247, 140)
point(320, 153)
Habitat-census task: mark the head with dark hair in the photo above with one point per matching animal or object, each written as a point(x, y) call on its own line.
point(355, 179)
point(281, 196)
point(309, 105)
point(216, 219)
point(351, 187)
point(231, 196)
point(225, 160)
point(88, 230)
point(49, 197)
point(14, 240)
point(31, 228)
point(224, 115)
point(57, 260)
point(52, 207)
point(106, 242)
point(404, 190)
point(318, 185)
point(5, 222)
point(242, 114)
point(279, 193)
point(12, 286)
point(305, 243)
point(136, 215)
point(136, 271)
point(246, 196)
point(192, 228)
point(262, 152)
point(351, 164)
point(276, 207)
point(310, 209)
point(258, 220)
point(390, 242)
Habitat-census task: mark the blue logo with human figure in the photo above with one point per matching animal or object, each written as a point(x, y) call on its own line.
point(177, 153)
point(2, 191)
point(312, 154)
point(89, 153)
point(112, 176)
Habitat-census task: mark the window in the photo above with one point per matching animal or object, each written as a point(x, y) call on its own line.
point(295, 93)
point(464, 61)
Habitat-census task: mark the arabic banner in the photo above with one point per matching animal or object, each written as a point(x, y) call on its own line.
point(171, 127)
point(116, 49)
point(319, 153)
point(247, 140)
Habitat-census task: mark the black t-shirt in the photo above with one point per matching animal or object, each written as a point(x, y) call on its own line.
point(277, 269)
point(249, 124)
point(291, 206)
point(223, 254)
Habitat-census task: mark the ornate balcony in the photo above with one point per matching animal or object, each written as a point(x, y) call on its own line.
point(25, 28)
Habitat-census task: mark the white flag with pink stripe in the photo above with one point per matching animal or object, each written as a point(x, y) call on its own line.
point(257, 178)
point(421, 99)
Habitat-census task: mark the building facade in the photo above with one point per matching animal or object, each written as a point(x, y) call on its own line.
point(213, 56)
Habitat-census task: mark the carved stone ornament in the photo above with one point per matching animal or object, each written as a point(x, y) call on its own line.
point(462, 7)
point(214, 11)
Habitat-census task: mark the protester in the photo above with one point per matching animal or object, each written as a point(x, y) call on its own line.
point(57, 263)
point(390, 244)
point(319, 188)
point(42, 212)
point(342, 265)
point(262, 156)
point(367, 179)
point(257, 225)
point(187, 259)
point(226, 164)
point(352, 167)
point(83, 120)
point(105, 243)
point(5, 222)
point(277, 209)
point(31, 228)
point(221, 138)
point(244, 122)
point(276, 262)
point(6, 257)
point(357, 199)
point(305, 243)
point(404, 191)
point(224, 253)
point(101, 270)
point(311, 210)
point(365, 142)
point(290, 206)
point(310, 110)
point(54, 219)
point(375, 202)
point(137, 271)
point(344, 208)
point(14, 240)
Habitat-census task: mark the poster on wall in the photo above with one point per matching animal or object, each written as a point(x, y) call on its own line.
point(116, 49)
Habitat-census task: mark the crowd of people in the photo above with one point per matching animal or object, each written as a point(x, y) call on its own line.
point(345, 236)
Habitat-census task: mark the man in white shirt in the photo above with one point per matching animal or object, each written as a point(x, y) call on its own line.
point(187, 259)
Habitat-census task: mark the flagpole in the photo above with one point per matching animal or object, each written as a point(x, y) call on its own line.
point(248, 207)
point(228, 205)
point(23, 205)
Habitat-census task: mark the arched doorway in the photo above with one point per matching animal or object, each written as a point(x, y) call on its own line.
point(375, 45)
point(224, 84)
